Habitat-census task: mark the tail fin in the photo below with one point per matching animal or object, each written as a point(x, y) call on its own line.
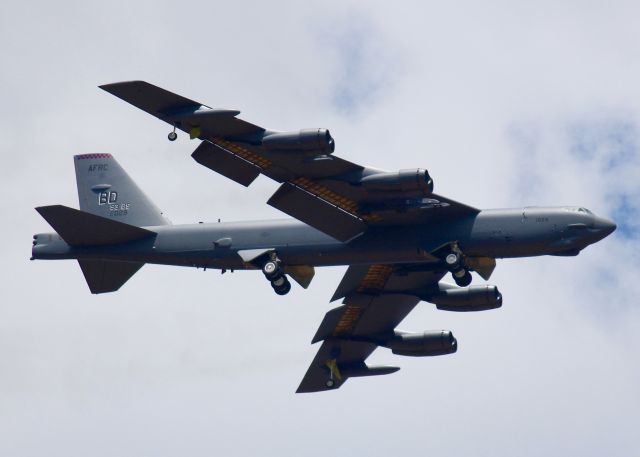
point(106, 190)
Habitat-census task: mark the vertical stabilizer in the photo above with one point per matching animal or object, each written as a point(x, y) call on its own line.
point(106, 190)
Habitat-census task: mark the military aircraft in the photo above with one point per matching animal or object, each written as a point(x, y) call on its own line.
point(398, 238)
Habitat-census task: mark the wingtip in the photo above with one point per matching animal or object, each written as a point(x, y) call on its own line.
point(310, 390)
point(110, 86)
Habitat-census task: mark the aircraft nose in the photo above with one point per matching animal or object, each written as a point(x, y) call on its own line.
point(604, 226)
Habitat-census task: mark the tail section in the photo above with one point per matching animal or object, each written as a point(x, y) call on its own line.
point(78, 228)
point(113, 210)
point(107, 276)
point(106, 190)
point(81, 229)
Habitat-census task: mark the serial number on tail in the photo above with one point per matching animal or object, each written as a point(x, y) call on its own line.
point(111, 198)
point(119, 212)
point(121, 209)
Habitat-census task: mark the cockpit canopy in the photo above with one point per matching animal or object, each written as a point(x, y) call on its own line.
point(579, 210)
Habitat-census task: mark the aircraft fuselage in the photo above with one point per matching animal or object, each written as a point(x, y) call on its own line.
point(498, 233)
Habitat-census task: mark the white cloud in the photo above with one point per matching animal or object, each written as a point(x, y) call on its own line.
point(506, 104)
point(364, 65)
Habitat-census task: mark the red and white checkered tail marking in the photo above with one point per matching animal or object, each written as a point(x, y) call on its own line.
point(93, 156)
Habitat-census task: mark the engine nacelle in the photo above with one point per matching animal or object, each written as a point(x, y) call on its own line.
point(309, 141)
point(415, 181)
point(435, 342)
point(462, 299)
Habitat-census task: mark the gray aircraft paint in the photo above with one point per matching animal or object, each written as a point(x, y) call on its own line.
point(492, 233)
point(498, 233)
point(397, 236)
point(100, 180)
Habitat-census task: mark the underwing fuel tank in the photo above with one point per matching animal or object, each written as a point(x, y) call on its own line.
point(429, 343)
point(465, 299)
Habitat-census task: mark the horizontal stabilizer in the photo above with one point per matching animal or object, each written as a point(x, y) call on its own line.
point(106, 276)
point(316, 212)
point(225, 163)
point(78, 228)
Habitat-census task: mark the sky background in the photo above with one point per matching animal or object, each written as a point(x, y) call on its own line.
point(505, 103)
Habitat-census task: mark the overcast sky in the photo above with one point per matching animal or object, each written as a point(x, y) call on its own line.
point(505, 104)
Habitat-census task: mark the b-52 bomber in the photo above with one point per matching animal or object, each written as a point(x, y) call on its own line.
point(398, 238)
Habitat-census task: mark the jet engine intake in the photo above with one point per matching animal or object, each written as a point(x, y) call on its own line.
point(405, 181)
point(430, 343)
point(310, 141)
point(462, 299)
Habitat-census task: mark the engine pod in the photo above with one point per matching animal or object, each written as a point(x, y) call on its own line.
point(424, 344)
point(308, 141)
point(464, 299)
point(406, 182)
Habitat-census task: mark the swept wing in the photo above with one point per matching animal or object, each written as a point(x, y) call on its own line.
point(377, 298)
point(333, 195)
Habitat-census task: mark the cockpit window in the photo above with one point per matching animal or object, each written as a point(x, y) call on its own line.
point(579, 210)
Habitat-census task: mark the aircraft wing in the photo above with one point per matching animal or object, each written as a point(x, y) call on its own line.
point(377, 298)
point(322, 190)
